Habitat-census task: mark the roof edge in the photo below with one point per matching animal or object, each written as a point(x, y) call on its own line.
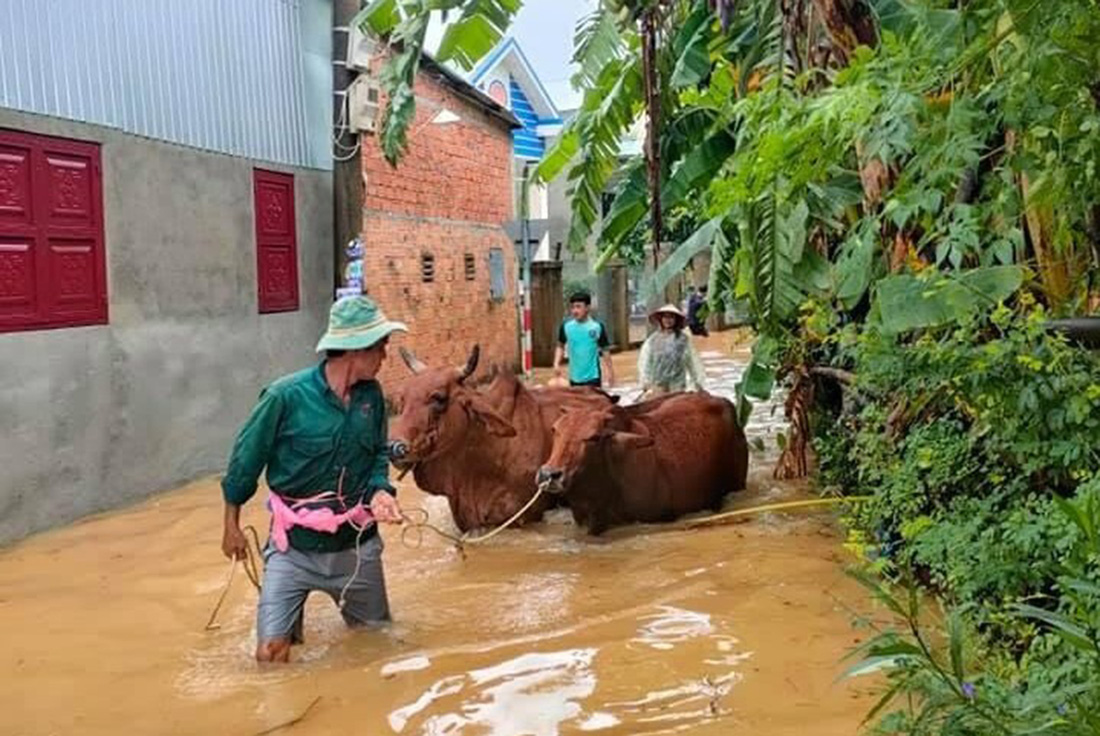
point(498, 54)
point(464, 89)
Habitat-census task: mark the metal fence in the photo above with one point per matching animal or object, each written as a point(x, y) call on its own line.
point(233, 76)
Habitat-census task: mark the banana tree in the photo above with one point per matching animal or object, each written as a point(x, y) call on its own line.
point(473, 28)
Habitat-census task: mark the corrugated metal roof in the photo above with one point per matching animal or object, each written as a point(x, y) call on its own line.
point(226, 76)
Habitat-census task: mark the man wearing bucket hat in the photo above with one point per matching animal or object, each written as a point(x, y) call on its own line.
point(668, 362)
point(321, 435)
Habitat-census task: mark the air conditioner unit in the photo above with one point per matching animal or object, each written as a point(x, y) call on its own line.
point(363, 98)
point(361, 48)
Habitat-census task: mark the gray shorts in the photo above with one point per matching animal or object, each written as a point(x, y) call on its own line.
point(289, 577)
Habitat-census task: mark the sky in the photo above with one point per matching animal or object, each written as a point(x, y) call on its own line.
point(544, 30)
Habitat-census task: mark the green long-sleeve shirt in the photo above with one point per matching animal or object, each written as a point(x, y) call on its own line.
point(305, 437)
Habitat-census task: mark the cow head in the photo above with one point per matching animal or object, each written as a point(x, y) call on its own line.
point(436, 410)
point(580, 436)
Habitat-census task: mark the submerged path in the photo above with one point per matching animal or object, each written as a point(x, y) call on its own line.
point(737, 629)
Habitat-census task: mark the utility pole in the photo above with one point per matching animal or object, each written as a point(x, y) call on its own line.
point(348, 185)
point(525, 235)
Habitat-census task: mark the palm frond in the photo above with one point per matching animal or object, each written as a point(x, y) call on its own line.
point(608, 111)
point(778, 236)
point(691, 48)
point(707, 237)
point(596, 43)
point(479, 27)
point(629, 206)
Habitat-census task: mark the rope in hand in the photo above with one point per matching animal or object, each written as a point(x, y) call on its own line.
point(251, 562)
point(354, 573)
point(460, 542)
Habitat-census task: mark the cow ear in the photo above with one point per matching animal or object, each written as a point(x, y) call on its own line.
point(482, 412)
point(631, 441)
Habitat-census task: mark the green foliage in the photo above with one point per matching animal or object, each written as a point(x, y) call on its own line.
point(592, 141)
point(933, 298)
point(878, 209)
point(981, 446)
point(940, 685)
point(701, 240)
point(691, 48)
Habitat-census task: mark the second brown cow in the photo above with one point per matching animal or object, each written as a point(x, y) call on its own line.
point(651, 462)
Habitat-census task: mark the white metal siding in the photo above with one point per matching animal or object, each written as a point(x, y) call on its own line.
point(233, 76)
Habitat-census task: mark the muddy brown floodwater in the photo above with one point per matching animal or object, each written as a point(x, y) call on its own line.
point(738, 629)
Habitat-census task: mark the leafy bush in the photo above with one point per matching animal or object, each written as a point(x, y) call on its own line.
point(971, 440)
point(949, 682)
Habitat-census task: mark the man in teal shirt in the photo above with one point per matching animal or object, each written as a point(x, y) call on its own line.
point(584, 339)
point(321, 435)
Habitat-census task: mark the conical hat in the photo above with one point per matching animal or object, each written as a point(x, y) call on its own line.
point(655, 315)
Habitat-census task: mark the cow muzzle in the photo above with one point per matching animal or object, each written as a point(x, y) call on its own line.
point(551, 479)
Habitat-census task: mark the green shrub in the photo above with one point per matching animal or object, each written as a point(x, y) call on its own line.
point(971, 441)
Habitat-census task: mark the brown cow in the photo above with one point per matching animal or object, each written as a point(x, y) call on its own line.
point(651, 462)
point(481, 448)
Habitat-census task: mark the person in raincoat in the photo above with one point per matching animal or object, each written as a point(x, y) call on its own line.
point(668, 362)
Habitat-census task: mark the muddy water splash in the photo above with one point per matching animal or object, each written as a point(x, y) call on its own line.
point(732, 630)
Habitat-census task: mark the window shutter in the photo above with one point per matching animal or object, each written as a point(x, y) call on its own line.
point(496, 274)
point(53, 269)
point(276, 242)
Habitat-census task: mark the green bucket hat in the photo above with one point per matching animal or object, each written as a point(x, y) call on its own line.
point(356, 323)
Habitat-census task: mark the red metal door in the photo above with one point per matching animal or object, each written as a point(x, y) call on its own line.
point(276, 241)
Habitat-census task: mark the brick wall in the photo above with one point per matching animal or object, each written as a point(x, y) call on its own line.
point(449, 196)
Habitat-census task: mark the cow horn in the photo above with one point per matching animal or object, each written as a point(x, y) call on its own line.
point(471, 364)
point(414, 363)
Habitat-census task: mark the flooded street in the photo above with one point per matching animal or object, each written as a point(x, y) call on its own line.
point(737, 629)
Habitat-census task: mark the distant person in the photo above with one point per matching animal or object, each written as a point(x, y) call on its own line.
point(321, 435)
point(668, 362)
point(584, 340)
point(696, 302)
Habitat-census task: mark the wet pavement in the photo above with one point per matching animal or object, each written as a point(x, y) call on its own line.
point(737, 629)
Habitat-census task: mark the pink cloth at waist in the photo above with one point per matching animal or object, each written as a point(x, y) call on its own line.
point(285, 516)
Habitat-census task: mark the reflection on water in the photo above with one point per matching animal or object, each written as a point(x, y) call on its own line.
point(530, 694)
point(671, 625)
point(733, 630)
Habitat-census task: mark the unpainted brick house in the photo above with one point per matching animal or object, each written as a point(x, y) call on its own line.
point(436, 254)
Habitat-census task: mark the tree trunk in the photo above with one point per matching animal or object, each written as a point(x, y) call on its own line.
point(653, 120)
point(850, 23)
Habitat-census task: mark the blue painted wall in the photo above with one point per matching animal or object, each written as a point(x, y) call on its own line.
point(525, 142)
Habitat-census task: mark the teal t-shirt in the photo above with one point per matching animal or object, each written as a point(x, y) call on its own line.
point(584, 341)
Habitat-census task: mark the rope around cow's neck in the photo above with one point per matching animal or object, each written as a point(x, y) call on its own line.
point(460, 542)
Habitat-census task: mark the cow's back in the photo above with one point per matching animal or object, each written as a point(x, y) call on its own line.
point(699, 454)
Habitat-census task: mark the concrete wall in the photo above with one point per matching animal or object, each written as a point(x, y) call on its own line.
point(450, 196)
point(95, 417)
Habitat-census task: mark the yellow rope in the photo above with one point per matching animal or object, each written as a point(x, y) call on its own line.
point(775, 507)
